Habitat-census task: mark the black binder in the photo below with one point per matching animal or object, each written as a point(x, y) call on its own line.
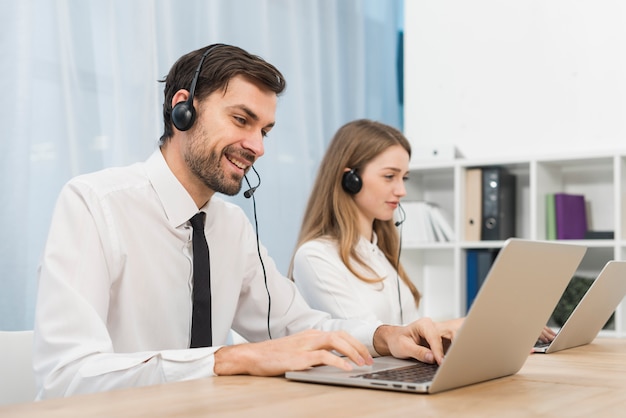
point(498, 204)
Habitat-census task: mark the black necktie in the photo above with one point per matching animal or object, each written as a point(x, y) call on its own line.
point(201, 320)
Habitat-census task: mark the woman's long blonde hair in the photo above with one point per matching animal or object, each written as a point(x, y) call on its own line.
point(332, 212)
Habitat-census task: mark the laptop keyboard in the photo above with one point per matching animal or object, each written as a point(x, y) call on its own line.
point(415, 373)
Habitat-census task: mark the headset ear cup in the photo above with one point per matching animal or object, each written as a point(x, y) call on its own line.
point(351, 182)
point(183, 115)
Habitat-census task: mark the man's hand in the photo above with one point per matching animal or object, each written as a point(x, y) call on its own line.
point(296, 352)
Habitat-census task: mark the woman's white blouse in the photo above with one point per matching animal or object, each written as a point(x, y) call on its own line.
point(327, 284)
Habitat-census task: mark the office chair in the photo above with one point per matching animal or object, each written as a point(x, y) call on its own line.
point(17, 380)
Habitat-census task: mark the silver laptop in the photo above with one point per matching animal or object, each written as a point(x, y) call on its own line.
point(518, 296)
point(593, 310)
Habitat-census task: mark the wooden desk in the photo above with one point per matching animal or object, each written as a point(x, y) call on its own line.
point(584, 381)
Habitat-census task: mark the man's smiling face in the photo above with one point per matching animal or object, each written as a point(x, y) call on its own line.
point(227, 137)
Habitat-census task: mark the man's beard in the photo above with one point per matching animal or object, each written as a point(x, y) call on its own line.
point(208, 169)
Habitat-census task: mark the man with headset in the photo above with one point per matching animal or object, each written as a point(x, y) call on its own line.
point(117, 294)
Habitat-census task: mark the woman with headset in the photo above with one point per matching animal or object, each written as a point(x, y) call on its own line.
point(347, 257)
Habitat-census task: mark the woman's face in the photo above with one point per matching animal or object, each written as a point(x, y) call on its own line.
point(383, 185)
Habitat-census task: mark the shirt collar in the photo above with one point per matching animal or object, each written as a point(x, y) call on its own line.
point(367, 246)
point(178, 204)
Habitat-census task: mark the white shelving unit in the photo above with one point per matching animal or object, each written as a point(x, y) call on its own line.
point(438, 269)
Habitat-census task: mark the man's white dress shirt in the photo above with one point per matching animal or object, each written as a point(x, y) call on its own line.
point(115, 285)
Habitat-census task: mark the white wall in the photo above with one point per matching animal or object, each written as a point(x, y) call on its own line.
point(502, 78)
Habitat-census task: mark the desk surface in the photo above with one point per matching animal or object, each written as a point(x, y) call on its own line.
point(583, 381)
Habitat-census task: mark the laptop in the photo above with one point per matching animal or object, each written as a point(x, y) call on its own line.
point(518, 296)
point(593, 310)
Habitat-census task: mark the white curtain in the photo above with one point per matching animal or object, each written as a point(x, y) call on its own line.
point(80, 93)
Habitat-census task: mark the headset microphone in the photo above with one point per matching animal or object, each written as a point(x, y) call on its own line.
point(398, 223)
point(248, 193)
point(402, 213)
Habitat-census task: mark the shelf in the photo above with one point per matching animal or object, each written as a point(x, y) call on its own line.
point(438, 269)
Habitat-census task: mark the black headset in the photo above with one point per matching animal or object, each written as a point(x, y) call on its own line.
point(352, 184)
point(184, 114)
point(351, 181)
